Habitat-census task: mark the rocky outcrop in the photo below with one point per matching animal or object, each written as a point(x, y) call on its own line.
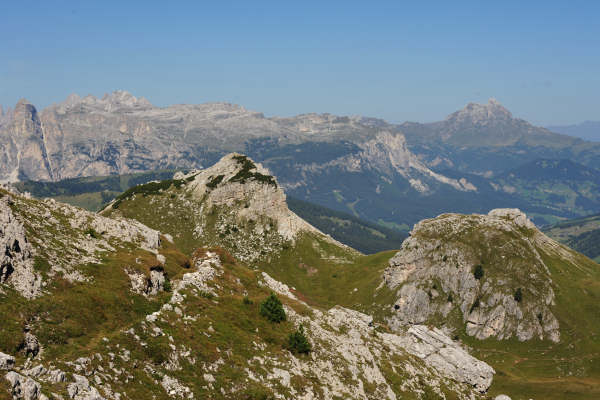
point(148, 285)
point(485, 268)
point(82, 390)
point(31, 345)
point(446, 356)
point(236, 179)
point(16, 261)
point(432, 346)
point(64, 238)
point(6, 361)
point(235, 204)
point(23, 387)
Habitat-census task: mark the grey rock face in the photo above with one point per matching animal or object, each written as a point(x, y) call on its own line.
point(264, 198)
point(23, 153)
point(6, 361)
point(435, 274)
point(24, 388)
point(16, 261)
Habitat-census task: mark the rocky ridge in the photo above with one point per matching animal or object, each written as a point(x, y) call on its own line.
point(235, 203)
point(61, 238)
point(483, 273)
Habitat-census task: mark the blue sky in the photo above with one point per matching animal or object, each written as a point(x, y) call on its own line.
point(395, 60)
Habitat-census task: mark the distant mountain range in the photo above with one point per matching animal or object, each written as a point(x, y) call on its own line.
point(588, 130)
point(390, 174)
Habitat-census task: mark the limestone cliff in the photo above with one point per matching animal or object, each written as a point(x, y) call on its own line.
point(482, 273)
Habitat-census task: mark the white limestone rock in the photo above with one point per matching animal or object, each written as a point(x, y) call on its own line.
point(81, 389)
point(433, 273)
point(148, 285)
point(261, 198)
point(446, 356)
point(278, 287)
point(16, 260)
point(6, 361)
point(23, 387)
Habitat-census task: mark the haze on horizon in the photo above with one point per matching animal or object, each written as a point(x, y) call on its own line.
point(393, 61)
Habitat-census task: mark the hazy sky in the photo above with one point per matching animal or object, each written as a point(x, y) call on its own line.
point(395, 60)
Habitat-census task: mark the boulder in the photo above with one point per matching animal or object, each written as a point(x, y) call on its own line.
point(24, 388)
point(6, 361)
point(82, 390)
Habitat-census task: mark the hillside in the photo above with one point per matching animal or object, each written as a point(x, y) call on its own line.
point(363, 236)
point(580, 234)
point(529, 315)
point(161, 294)
point(109, 308)
point(526, 304)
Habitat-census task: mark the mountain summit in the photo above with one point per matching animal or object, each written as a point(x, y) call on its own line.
point(480, 114)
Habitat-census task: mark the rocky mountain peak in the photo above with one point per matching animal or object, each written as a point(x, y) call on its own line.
point(249, 191)
point(23, 106)
point(481, 114)
point(124, 98)
point(235, 204)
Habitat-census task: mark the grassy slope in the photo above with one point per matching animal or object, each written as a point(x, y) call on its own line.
point(541, 369)
point(364, 236)
point(324, 275)
point(81, 319)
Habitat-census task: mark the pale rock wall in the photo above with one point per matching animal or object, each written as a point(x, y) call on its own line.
point(433, 274)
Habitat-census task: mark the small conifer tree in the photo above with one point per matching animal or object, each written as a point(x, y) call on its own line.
point(272, 309)
point(478, 272)
point(298, 343)
point(518, 295)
